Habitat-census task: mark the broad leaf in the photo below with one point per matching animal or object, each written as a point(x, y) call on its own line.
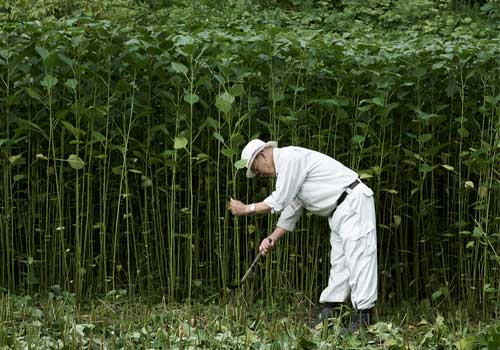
point(97, 137)
point(42, 52)
point(240, 164)
point(358, 138)
point(16, 159)
point(179, 68)
point(6, 141)
point(28, 125)
point(75, 162)
point(218, 137)
point(424, 138)
point(66, 60)
point(75, 131)
point(49, 81)
point(236, 90)
point(237, 139)
point(18, 177)
point(224, 102)
point(180, 142)
point(228, 152)
point(71, 83)
point(33, 92)
point(191, 98)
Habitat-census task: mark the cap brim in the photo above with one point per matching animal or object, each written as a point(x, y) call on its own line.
point(250, 174)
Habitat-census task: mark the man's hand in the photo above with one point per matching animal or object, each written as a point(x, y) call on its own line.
point(239, 208)
point(267, 245)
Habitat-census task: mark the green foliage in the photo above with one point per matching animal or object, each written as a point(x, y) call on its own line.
point(57, 322)
point(392, 12)
point(120, 130)
point(46, 9)
point(492, 9)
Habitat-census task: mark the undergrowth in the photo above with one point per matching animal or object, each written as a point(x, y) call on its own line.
point(113, 322)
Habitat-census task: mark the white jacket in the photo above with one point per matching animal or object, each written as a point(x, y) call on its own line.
point(306, 179)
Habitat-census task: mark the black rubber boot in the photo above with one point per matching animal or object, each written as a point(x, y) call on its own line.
point(326, 312)
point(360, 319)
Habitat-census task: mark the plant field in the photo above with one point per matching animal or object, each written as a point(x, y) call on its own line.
point(121, 123)
point(111, 322)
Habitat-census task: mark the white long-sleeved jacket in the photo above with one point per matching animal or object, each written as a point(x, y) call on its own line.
point(306, 179)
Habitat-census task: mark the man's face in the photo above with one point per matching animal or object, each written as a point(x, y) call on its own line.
point(263, 165)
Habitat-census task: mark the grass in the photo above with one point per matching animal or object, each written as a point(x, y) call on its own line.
point(114, 322)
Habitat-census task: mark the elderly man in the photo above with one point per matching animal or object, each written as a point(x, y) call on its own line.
point(314, 181)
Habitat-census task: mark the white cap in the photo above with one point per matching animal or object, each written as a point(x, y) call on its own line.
point(251, 150)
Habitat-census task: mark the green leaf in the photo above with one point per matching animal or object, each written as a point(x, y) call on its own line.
point(251, 229)
point(236, 90)
point(16, 159)
point(437, 294)
point(218, 137)
point(117, 170)
point(18, 177)
point(97, 137)
point(220, 79)
point(132, 42)
point(180, 142)
point(66, 60)
point(240, 164)
point(385, 122)
point(426, 116)
point(28, 125)
point(489, 289)
point(478, 232)
point(237, 139)
point(49, 81)
point(120, 148)
point(33, 92)
point(75, 131)
point(358, 138)
point(191, 98)
point(6, 141)
point(426, 168)
point(224, 102)
point(182, 40)
point(307, 344)
point(71, 83)
point(463, 132)
point(179, 68)
point(212, 123)
point(379, 101)
point(75, 162)
point(397, 220)
point(424, 138)
point(228, 152)
point(5, 54)
point(42, 52)
point(146, 181)
point(492, 100)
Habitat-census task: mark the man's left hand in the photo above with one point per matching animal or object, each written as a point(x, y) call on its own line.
point(239, 208)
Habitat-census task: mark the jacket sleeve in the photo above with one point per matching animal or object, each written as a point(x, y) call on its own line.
point(289, 180)
point(290, 215)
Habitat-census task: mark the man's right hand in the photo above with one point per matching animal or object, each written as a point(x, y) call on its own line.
point(267, 245)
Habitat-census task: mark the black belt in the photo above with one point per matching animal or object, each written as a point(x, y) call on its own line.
point(346, 192)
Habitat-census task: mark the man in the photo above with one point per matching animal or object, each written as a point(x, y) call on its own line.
point(314, 181)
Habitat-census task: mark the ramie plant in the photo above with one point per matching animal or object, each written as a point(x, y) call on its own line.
point(118, 145)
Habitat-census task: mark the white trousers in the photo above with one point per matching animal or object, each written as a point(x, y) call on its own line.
point(353, 257)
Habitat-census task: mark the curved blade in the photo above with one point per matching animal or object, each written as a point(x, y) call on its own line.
point(233, 286)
